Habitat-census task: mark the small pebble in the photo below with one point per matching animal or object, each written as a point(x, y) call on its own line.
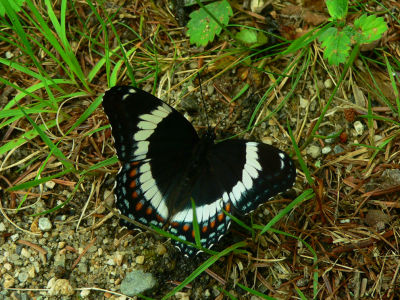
point(139, 259)
point(326, 150)
point(9, 281)
point(160, 249)
point(359, 127)
point(50, 184)
point(137, 282)
point(45, 224)
point(210, 89)
point(338, 149)
point(328, 83)
point(15, 237)
point(303, 102)
point(2, 227)
point(118, 257)
point(23, 276)
point(7, 266)
point(314, 151)
point(85, 293)
point(25, 253)
point(59, 287)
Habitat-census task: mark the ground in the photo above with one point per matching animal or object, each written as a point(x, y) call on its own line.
point(340, 124)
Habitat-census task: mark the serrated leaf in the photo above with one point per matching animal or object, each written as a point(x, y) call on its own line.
point(252, 38)
point(337, 8)
point(371, 28)
point(202, 28)
point(330, 32)
point(15, 4)
point(336, 44)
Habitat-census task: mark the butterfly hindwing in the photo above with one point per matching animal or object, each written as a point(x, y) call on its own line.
point(235, 176)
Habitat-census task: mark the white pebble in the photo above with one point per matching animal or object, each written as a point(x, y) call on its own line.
point(359, 127)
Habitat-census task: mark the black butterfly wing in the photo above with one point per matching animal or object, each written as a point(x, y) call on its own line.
point(235, 176)
point(154, 144)
point(165, 164)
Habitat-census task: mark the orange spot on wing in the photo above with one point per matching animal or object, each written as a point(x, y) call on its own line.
point(193, 234)
point(149, 210)
point(221, 217)
point(204, 229)
point(138, 206)
point(134, 163)
point(228, 207)
point(133, 172)
point(159, 218)
point(212, 224)
point(174, 224)
point(132, 184)
point(135, 195)
point(186, 227)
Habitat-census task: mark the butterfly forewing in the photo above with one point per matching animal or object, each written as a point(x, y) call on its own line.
point(153, 143)
point(165, 165)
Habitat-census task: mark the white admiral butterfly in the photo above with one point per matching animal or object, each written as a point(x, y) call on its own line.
point(165, 164)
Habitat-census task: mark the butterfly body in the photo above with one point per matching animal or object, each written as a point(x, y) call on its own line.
point(165, 164)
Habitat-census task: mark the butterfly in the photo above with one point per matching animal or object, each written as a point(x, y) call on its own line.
point(165, 164)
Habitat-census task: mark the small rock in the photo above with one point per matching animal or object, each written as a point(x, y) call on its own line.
point(45, 224)
point(137, 282)
point(2, 227)
point(50, 184)
point(7, 266)
point(59, 260)
point(160, 249)
point(9, 55)
point(23, 276)
point(9, 281)
point(338, 149)
point(182, 296)
point(303, 102)
point(25, 253)
point(85, 293)
point(210, 89)
point(83, 267)
point(326, 150)
point(118, 257)
point(31, 272)
point(60, 218)
point(377, 219)
point(359, 127)
point(314, 151)
point(377, 138)
point(59, 287)
point(139, 259)
point(14, 237)
point(328, 83)
point(391, 176)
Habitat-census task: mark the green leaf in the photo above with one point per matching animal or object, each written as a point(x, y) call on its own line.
point(202, 28)
point(336, 44)
point(252, 38)
point(15, 5)
point(371, 28)
point(337, 8)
